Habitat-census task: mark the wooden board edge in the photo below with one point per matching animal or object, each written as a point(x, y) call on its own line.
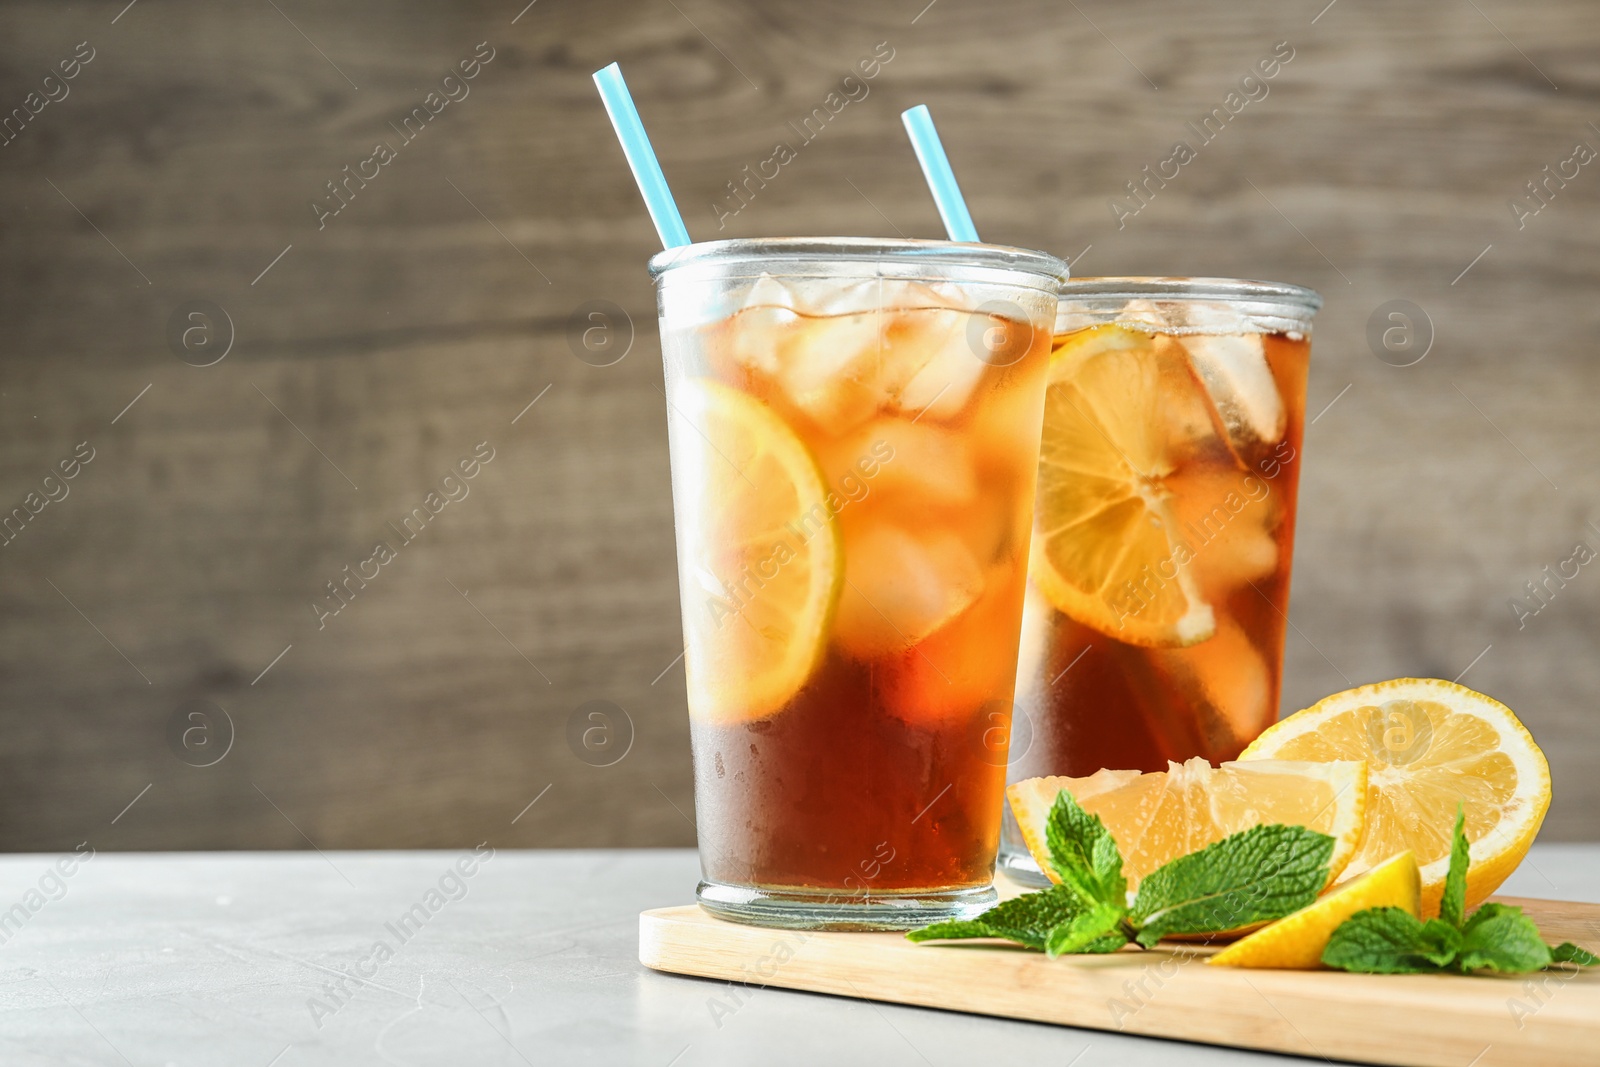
point(1318, 1015)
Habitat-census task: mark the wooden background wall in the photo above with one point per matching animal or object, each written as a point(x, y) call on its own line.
point(423, 319)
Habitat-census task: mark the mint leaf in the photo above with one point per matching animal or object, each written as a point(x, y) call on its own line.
point(1488, 911)
point(1388, 941)
point(1567, 952)
point(952, 930)
point(1452, 906)
point(1259, 874)
point(1090, 928)
point(1499, 937)
point(1084, 854)
point(1027, 919)
point(1438, 942)
point(1109, 943)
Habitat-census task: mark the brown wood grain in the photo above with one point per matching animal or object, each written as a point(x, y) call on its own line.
point(434, 307)
point(1410, 1020)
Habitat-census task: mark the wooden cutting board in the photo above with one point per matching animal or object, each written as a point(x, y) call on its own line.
point(1425, 1020)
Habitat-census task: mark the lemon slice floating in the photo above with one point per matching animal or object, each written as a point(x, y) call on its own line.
point(1104, 514)
point(1158, 816)
point(1430, 745)
point(758, 552)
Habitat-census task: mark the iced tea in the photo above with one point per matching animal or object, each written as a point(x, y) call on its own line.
point(1164, 525)
point(854, 440)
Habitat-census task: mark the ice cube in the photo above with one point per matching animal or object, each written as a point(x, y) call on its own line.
point(771, 332)
point(767, 291)
point(1182, 412)
point(1227, 680)
point(904, 464)
point(901, 586)
point(837, 296)
point(759, 336)
point(962, 671)
point(843, 349)
point(849, 296)
point(1247, 554)
point(1184, 317)
point(829, 367)
point(1235, 371)
point(1144, 313)
point(1004, 428)
point(1228, 519)
point(936, 362)
point(950, 295)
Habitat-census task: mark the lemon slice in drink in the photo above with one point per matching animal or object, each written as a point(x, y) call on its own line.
point(1106, 550)
point(1158, 816)
point(759, 553)
point(1430, 745)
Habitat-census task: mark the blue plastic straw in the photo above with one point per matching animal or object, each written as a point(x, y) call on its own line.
point(941, 179)
point(641, 157)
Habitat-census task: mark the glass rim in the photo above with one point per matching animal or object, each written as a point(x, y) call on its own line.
point(1279, 294)
point(760, 252)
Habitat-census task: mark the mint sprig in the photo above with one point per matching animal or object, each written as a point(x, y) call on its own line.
point(1264, 873)
point(1567, 952)
point(1084, 854)
point(1497, 938)
point(1027, 919)
point(1097, 930)
point(1257, 875)
point(1453, 904)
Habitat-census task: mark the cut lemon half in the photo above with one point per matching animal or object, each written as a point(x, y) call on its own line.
point(758, 553)
point(1106, 550)
point(1430, 745)
point(1161, 815)
point(1296, 941)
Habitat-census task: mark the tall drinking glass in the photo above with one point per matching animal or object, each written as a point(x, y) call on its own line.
point(1164, 527)
point(854, 436)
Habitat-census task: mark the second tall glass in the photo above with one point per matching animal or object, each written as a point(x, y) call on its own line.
point(854, 434)
point(1164, 528)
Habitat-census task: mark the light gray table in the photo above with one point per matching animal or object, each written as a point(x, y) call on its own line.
point(246, 959)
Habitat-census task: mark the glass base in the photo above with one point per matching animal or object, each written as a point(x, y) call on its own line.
point(1017, 864)
point(792, 909)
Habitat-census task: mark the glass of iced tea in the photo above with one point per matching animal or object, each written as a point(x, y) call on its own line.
point(1158, 590)
point(854, 432)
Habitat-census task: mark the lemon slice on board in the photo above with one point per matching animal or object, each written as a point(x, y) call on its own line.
point(1161, 815)
point(1105, 524)
point(1295, 942)
point(758, 551)
point(1430, 745)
